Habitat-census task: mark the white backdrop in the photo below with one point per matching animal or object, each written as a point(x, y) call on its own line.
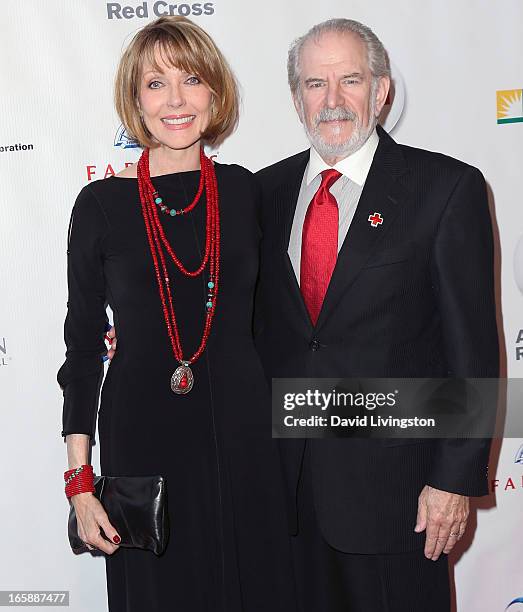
point(58, 129)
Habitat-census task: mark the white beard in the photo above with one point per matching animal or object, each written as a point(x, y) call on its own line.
point(359, 134)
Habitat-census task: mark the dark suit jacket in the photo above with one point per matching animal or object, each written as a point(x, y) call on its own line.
point(413, 297)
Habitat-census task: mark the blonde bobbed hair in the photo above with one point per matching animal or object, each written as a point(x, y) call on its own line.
point(184, 45)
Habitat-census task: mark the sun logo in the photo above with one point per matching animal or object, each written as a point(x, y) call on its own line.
point(510, 105)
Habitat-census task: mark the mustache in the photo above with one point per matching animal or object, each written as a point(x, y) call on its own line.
point(340, 113)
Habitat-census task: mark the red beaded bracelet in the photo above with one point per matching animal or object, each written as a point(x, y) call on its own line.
point(79, 480)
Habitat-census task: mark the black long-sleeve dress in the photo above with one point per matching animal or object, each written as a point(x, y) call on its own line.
point(228, 549)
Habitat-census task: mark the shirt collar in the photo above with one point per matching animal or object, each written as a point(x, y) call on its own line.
point(355, 166)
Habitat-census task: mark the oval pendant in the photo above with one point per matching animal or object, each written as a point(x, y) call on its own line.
point(182, 380)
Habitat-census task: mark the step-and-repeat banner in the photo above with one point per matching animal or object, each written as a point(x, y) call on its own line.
point(458, 72)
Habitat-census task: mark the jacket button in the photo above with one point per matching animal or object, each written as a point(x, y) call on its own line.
point(314, 345)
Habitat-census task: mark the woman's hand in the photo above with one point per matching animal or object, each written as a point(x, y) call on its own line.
point(90, 517)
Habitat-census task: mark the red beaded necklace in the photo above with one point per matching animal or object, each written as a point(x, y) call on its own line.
point(182, 379)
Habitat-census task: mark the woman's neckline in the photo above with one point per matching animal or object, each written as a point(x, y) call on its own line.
point(159, 176)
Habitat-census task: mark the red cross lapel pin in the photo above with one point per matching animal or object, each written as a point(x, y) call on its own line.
point(375, 219)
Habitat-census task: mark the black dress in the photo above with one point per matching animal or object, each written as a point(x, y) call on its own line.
point(228, 549)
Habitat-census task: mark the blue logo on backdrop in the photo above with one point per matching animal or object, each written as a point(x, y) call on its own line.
point(513, 605)
point(519, 455)
point(122, 139)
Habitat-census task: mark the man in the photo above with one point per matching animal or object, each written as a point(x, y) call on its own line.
point(377, 262)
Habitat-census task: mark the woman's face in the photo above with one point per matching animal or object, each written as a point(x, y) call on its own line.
point(176, 106)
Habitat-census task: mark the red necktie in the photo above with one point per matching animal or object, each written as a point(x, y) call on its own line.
point(319, 244)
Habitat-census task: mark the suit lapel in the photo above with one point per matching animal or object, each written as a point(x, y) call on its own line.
point(286, 198)
point(383, 194)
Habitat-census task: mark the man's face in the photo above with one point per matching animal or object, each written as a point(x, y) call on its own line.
point(337, 102)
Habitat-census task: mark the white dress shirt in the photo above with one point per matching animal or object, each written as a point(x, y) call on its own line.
point(346, 190)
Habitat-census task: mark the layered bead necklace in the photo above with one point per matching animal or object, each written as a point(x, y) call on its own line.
point(182, 379)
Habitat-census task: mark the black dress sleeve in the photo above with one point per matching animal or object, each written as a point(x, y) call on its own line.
point(81, 374)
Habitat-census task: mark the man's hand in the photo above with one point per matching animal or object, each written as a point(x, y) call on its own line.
point(444, 515)
point(110, 336)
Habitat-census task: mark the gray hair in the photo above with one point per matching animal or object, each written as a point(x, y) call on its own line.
point(377, 56)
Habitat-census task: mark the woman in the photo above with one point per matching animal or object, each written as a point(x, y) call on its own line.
point(171, 243)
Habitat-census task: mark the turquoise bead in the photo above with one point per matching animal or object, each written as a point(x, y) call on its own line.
point(209, 304)
point(210, 284)
point(158, 200)
point(173, 212)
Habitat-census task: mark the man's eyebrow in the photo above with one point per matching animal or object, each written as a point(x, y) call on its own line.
point(314, 80)
point(350, 75)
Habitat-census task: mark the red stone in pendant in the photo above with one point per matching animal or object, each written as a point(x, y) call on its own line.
point(182, 380)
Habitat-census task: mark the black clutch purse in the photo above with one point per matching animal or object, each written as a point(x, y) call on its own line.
point(136, 507)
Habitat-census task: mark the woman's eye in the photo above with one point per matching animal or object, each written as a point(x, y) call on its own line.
point(193, 80)
point(154, 84)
